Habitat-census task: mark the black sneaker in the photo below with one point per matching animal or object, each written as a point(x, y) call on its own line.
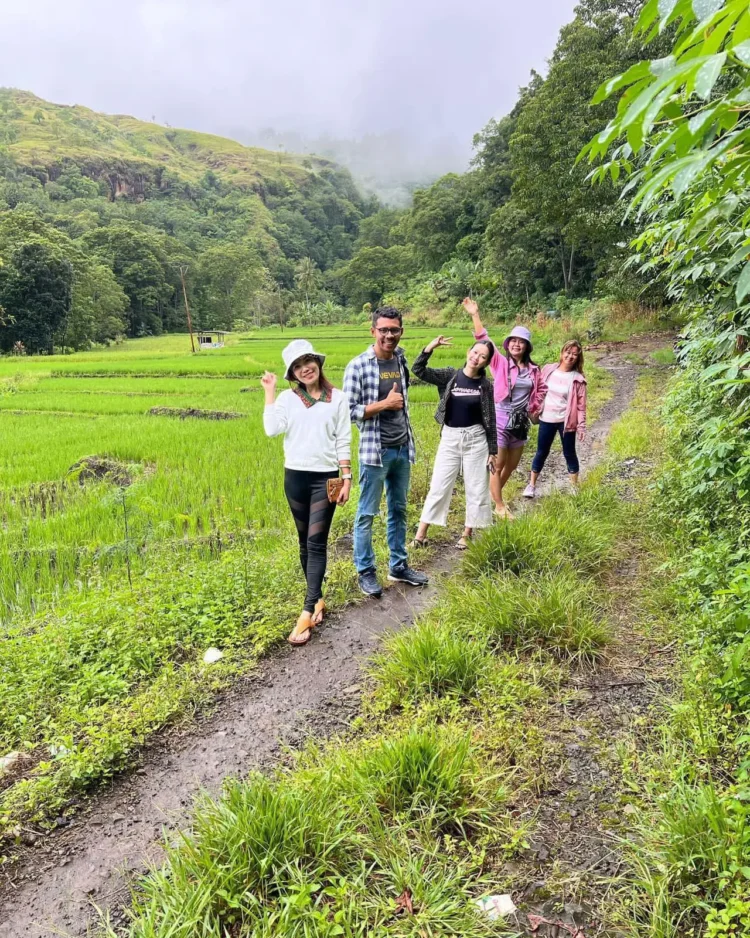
point(405, 574)
point(369, 585)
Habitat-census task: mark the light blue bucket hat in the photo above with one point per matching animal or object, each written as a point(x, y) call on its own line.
point(519, 332)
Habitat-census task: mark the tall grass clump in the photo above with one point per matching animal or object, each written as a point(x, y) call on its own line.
point(326, 848)
point(576, 533)
point(428, 660)
point(556, 609)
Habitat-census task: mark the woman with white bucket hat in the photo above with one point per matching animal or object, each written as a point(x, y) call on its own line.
point(519, 391)
point(314, 418)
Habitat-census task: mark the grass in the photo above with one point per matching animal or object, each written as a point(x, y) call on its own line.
point(430, 660)
point(110, 595)
point(423, 793)
point(327, 849)
point(638, 432)
point(664, 356)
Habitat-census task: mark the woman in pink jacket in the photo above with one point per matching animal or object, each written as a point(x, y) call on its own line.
point(519, 391)
point(564, 412)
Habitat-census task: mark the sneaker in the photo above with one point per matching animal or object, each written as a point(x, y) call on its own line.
point(405, 574)
point(529, 491)
point(369, 585)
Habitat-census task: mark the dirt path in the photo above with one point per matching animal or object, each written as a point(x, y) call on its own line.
point(59, 878)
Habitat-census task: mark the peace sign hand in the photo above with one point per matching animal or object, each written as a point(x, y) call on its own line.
point(441, 340)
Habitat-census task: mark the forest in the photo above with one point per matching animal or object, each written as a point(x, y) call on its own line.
point(101, 213)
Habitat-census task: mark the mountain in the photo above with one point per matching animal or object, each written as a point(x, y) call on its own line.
point(133, 156)
point(145, 200)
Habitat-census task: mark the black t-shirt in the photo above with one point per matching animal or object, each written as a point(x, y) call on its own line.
point(464, 405)
point(393, 430)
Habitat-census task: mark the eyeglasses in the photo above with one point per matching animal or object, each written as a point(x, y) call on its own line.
point(389, 331)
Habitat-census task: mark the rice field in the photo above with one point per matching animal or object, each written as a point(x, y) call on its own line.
point(112, 590)
point(194, 478)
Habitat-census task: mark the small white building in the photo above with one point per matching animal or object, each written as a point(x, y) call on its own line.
point(211, 339)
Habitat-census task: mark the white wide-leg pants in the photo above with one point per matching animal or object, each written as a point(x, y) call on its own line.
point(461, 450)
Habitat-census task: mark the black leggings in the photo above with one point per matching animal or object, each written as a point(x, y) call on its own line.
point(313, 514)
point(547, 434)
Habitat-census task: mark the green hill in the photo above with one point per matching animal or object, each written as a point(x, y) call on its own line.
point(257, 230)
point(44, 138)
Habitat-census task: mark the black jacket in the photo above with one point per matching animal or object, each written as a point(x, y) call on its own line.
point(444, 378)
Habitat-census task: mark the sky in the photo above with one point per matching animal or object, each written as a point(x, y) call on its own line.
point(431, 71)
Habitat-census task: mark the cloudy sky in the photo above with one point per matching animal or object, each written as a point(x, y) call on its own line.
point(435, 70)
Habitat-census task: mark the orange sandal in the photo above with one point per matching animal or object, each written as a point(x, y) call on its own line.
point(300, 634)
point(320, 612)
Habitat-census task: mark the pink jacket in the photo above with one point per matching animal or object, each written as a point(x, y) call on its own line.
point(505, 376)
point(575, 415)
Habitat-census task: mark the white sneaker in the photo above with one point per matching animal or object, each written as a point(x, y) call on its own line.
point(529, 491)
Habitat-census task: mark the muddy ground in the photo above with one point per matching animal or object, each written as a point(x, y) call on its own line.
point(60, 877)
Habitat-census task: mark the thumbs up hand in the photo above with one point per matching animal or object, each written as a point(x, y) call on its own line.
point(395, 400)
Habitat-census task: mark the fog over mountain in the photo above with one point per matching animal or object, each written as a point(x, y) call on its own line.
point(394, 88)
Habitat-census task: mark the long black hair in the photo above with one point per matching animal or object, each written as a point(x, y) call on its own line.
point(482, 372)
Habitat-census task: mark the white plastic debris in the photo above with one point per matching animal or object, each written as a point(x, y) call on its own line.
point(212, 655)
point(497, 907)
point(8, 762)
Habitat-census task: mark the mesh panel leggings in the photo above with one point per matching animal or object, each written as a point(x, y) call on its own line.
point(313, 514)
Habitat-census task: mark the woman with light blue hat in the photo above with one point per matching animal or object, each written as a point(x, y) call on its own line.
point(519, 390)
point(314, 418)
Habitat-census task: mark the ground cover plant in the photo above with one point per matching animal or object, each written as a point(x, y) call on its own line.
point(115, 582)
point(421, 798)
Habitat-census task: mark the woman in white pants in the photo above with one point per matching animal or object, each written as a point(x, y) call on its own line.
point(468, 440)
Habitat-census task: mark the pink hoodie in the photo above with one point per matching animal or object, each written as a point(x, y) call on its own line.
point(505, 376)
point(575, 415)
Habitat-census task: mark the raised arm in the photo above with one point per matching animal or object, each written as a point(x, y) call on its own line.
point(275, 419)
point(472, 308)
point(437, 376)
point(480, 333)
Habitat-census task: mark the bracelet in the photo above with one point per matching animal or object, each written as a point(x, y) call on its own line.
point(347, 478)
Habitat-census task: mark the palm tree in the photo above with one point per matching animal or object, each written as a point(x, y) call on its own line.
point(306, 278)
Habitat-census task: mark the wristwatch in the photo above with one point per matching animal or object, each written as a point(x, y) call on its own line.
point(345, 478)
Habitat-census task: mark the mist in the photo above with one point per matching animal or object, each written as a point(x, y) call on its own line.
point(396, 90)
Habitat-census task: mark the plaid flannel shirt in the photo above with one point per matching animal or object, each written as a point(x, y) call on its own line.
point(362, 387)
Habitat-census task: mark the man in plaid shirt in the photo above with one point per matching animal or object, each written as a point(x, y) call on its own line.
point(377, 385)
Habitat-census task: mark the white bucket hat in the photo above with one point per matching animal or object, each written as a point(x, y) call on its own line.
point(299, 348)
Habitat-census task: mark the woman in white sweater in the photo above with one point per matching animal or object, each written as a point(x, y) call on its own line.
point(314, 418)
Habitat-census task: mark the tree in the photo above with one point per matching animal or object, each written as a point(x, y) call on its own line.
point(97, 310)
point(97, 303)
point(555, 120)
point(439, 218)
point(142, 268)
point(372, 272)
point(35, 289)
point(228, 277)
point(307, 278)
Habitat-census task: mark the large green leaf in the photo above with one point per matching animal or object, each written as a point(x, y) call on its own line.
point(633, 74)
point(708, 75)
point(705, 8)
point(743, 283)
point(666, 7)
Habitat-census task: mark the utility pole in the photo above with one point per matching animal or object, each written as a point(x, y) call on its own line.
point(183, 271)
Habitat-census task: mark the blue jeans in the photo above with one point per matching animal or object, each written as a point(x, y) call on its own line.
point(547, 434)
point(394, 474)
